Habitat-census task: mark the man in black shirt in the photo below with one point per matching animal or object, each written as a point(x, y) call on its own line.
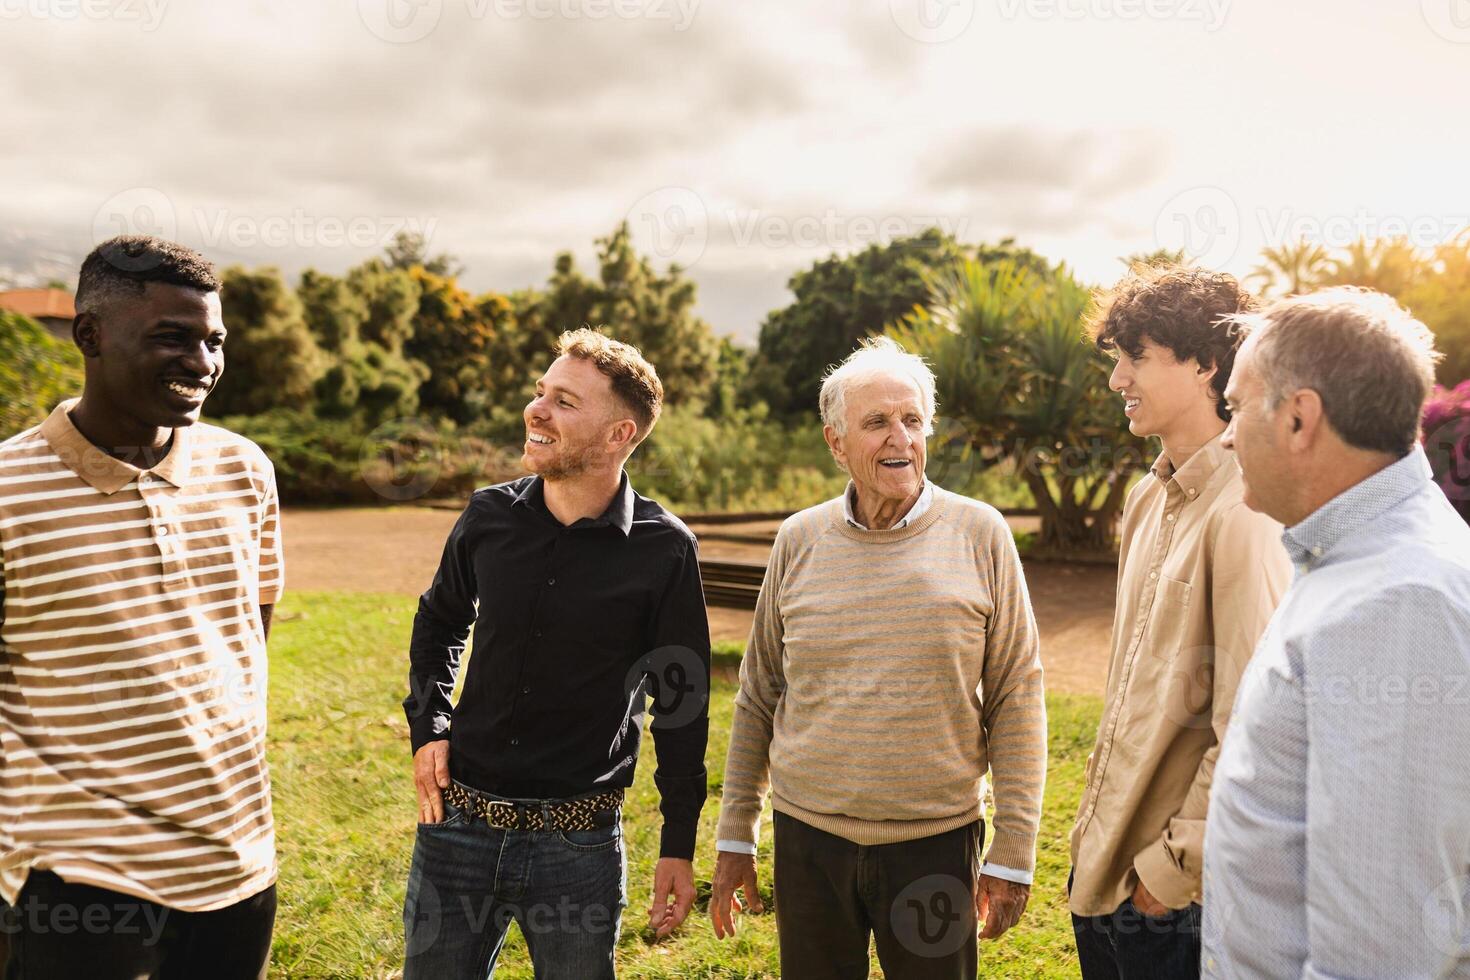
point(585, 599)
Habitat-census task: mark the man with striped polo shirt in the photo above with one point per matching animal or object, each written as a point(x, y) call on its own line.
point(893, 662)
point(141, 561)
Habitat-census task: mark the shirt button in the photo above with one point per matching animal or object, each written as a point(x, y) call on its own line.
point(1190, 491)
point(1153, 574)
point(551, 581)
point(1169, 518)
point(162, 532)
point(515, 741)
point(525, 690)
point(538, 634)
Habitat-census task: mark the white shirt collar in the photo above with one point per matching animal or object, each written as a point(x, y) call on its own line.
point(926, 498)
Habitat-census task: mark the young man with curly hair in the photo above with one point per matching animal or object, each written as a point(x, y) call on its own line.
point(1199, 575)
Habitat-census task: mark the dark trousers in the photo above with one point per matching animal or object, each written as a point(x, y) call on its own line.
point(59, 930)
point(1128, 945)
point(916, 899)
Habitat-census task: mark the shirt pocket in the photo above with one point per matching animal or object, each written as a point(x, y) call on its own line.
point(1168, 620)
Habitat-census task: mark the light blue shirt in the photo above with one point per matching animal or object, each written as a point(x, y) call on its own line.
point(926, 498)
point(1338, 837)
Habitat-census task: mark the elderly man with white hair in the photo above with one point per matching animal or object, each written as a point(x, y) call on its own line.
point(1338, 837)
point(893, 661)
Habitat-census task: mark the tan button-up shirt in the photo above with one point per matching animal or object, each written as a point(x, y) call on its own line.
point(1199, 575)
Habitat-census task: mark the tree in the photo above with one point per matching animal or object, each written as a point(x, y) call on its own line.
point(1159, 256)
point(1018, 381)
point(631, 302)
point(362, 323)
point(842, 299)
point(1441, 298)
point(1290, 269)
point(410, 249)
point(271, 358)
point(36, 372)
point(454, 338)
point(1389, 265)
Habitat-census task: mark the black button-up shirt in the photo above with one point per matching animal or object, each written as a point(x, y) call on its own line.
point(574, 627)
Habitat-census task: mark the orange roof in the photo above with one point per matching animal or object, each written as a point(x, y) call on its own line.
point(38, 302)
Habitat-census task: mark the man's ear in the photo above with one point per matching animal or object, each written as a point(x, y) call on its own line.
point(830, 434)
point(1307, 418)
point(86, 334)
point(622, 435)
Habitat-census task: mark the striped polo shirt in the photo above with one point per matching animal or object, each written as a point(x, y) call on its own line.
point(133, 665)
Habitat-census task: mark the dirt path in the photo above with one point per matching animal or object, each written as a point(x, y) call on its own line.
point(397, 550)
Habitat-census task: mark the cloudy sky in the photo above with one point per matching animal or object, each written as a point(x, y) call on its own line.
point(741, 138)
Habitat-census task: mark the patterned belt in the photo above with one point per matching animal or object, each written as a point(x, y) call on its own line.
point(583, 813)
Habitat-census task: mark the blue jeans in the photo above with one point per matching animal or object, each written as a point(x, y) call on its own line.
point(468, 881)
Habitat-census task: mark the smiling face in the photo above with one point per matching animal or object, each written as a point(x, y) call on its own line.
point(883, 447)
point(153, 360)
point(572, 424)
point(1161, 394)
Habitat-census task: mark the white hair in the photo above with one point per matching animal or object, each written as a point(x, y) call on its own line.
point(876, 357)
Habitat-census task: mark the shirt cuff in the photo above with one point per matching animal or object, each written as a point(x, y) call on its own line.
point(1009, 874)
point(735, 846)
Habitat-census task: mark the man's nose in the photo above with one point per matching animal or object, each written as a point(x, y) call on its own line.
point(1227, 439)
point(199, 361)
point(1119, 379)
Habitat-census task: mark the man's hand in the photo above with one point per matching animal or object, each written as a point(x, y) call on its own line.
point(1147, 904)
point(733, 870)
point(672, 877)
point(999, 904)
point(430, 775)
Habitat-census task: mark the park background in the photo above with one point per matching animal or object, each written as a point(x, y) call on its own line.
point(407, 212)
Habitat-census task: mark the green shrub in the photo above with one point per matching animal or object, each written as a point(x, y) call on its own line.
point(36, 372)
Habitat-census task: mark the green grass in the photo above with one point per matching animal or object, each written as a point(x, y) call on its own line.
point(344, 805)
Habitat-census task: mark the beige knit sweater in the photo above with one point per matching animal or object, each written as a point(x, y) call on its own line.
point(886, 672)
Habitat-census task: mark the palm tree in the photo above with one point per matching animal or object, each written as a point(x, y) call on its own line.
point(1389, 265)
point(1291, 269)
point(1016, 375)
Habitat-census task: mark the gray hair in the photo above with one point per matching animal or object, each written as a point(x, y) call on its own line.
point(1365, 356)
point(875, 357)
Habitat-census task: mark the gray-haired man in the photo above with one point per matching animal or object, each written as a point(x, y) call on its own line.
point(1338, 837)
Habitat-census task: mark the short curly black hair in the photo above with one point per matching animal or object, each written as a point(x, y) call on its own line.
point(124, 265)
point(1179, 307)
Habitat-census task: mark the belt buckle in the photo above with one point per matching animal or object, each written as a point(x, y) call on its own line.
point(508, 822)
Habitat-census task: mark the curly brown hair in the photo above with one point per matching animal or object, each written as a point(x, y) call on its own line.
point(1178, 307)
